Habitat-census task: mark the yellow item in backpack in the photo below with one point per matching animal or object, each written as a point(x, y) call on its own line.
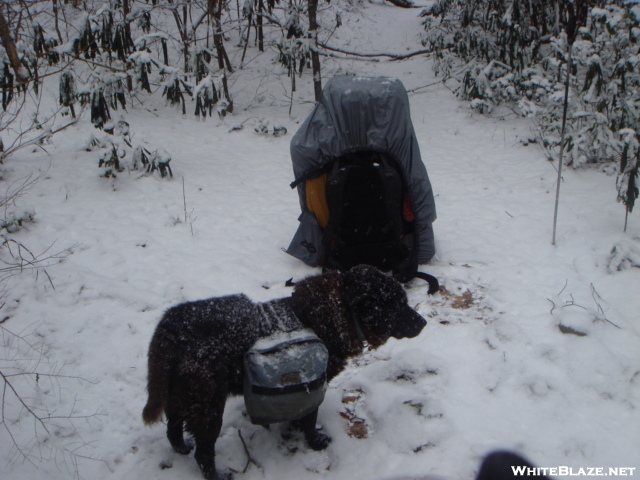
point(316, 199)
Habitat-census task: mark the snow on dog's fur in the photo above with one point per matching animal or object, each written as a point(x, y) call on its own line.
point(196, 353)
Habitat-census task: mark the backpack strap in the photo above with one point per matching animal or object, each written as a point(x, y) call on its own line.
point(311, 173)
point(434, 286)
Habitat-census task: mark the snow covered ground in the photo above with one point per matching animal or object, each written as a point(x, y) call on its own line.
point(529, 347)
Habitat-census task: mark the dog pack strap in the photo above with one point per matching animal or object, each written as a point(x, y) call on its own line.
point(434, 286)
point(278, 314)
point(295, 388)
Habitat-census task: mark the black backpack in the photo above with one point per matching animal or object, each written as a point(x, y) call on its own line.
point(364, 195)
point(367, 220)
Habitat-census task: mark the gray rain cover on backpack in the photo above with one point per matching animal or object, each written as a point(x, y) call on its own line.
point(285, 373)
point(357, 114)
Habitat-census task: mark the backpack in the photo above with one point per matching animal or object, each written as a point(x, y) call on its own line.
point(285, 375)
point(365, 198)
point(370, 218)
point(357, 207)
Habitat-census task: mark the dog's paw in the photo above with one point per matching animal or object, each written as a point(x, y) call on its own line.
point(207, 466)
point(185, 447)
point(318, 441)
point(218, 476)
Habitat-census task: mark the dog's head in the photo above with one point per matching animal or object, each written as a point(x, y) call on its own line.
point(379, 305)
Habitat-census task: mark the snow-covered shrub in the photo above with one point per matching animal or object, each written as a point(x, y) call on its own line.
point(293, 25)
point(625, 254)
point(44, 45)
point(627, 181)
point(7, 85)
point(208, 92)
point(158, 160)
point(173, 92)
point(68, 93)
point(114, 55)
point(516, 52)
point(295, 55)
point(208, 95)
point(109, 160)
point(263, 129)
point(112, 51)
point(117, 154)
point(13, 221)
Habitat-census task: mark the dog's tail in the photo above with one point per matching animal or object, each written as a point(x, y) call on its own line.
point(160, 365)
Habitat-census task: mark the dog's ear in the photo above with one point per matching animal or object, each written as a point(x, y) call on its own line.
point(379, 303)
point(366, 283)
point(318, 303)
point(372, 297)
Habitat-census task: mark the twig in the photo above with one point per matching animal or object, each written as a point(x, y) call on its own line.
point(48, 133)
point(19, 264)
point(414, 90)
point(13, 193)
point(340, 57)
point(22, 402)
point(49, 375)
point(393, 56)
point(566, 282)
point(250, 459)
point(23, 340)
point(601, 316)
point(187, 216)
point(46, 421)
point(562, 134)
point(184, 200)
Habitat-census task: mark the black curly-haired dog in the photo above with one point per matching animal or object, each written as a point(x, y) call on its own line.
point(196, 353)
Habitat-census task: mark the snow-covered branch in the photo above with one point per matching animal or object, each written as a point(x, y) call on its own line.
point(393, 56)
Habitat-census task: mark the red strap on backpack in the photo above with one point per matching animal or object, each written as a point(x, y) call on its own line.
point(407, 211)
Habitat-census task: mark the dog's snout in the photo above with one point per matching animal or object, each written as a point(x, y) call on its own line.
point(411, 324)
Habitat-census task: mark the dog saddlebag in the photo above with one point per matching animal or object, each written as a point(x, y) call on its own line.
point(285, 377)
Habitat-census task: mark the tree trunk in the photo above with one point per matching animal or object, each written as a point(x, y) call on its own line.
point(184, 36)
point(215, 11)
point(187, 38)
point(246, 40)
point(22, 74)
point(315, 58)
point(56, 20)
point(259, 22)
point(126, 9)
